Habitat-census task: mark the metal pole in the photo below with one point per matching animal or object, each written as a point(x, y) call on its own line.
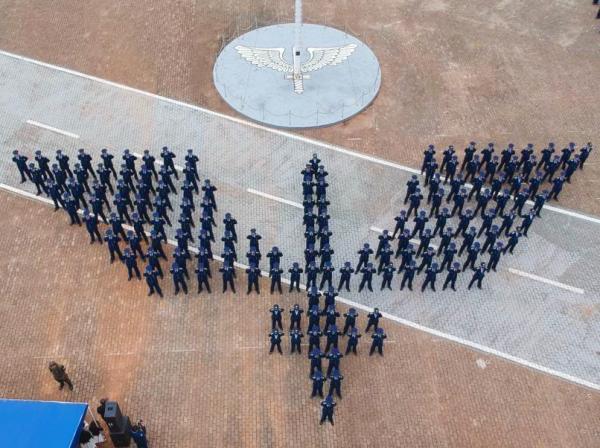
point(298, 22)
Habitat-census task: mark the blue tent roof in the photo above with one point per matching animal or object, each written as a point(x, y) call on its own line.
point(49, 424)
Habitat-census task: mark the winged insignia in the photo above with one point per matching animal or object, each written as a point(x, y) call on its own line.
point(318, 58)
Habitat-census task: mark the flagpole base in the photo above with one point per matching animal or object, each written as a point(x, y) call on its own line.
point(329, 95)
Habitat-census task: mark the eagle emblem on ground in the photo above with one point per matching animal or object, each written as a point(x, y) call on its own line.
point(318, 58)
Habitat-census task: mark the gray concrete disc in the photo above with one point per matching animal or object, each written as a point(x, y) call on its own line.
point(333, 93)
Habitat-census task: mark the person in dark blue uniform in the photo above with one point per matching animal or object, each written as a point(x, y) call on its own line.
point(403, 242)
point(428, 156)
point(449, 254)
point(153, 261)
point(478, 275)
point(333, 334)
point(71, 207)
point(353, 341)
point(295, 341)
point(63, 163)
point(415, 202)
point(178, 277)
point(43, 165)
point(296, 317)
point(202, 274)
point(385, 258)
point(459, 201)
point(38, 179)
point(526, 223)
point(430, 276)
point(452, 275)
point(447, 156)
point(91, 224)
point(420, 222)
point(426, 259)
point(253, 274)
point(327, 277)
point(168, 163)
point(227, 272)
point(107, 160)
point(495, 254)
point(311, 274)
point(21, 162)
point(275, 274)
point(513, 239)
point(473, 252)
point(314, 342)
point(400, 223)
point(436, 202)
point(112, 241)
point(295, 273)
point(411, 187)
point(334, 357)
point(55, 194)
point(317, 385)
point(367, 277)
point(377, 343)
point(192, 159)
point(469, 153)
point(388, 275)
point(327, 409)
point(424, 239)
point(151, 280)
point(275, 337)
point(104, 176)
point(364, 253)
point(469, 238)
point(335, 383)
point(117, 226)
point(130, 261)
point(85, 161)
point(407, 257)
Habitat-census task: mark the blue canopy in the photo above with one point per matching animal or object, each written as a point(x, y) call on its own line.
point(49, 424)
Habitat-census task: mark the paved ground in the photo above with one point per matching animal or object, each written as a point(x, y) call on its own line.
point(453, 70)
point(551, 326)
point(199, 374)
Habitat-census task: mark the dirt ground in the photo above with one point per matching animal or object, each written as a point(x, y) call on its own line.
point(196, 368)
point(453, 70)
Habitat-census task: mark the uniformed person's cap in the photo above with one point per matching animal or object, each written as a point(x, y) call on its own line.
point(38, 152)
point(80, 150)
point(472, 143)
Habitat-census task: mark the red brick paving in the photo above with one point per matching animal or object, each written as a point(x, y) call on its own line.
point(197, 368)
point(452, 70)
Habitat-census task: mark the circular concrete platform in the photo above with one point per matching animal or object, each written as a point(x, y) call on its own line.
point(333, 93)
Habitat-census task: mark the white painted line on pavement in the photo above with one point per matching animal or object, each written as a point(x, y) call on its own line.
point(274, 198)
point(26, 193)
point(547, 281)
point(513, 271)
point(437, 333)
point(158, 162)
point(261, 127)
point(50, 128)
